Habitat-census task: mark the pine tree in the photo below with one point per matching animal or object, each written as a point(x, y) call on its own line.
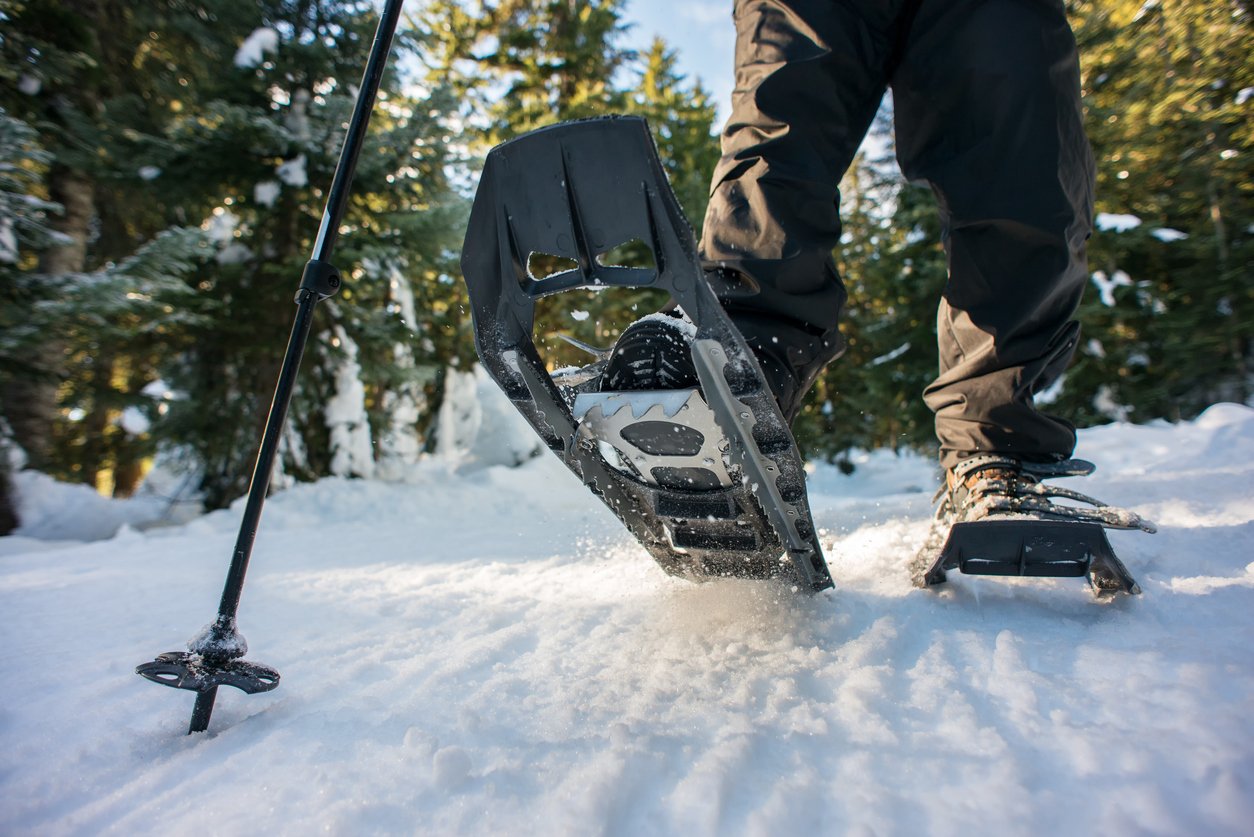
point(92, 76)
point(24, 229)
point(265, 149)
point(557, 60)
point(1169, 323)
point(682, 116)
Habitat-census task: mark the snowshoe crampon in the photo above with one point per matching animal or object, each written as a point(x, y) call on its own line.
point(1041, 548)
point(997, 517)
point(708, 479)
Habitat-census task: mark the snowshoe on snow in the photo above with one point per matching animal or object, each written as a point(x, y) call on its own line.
point(676, 430)
point(996, 517)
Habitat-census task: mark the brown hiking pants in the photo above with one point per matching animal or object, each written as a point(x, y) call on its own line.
point(986, 96)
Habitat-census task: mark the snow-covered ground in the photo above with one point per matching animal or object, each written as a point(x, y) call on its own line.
point(488, 652)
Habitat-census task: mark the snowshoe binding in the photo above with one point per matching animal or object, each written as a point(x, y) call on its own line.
point(675, 429)
point(996, 517)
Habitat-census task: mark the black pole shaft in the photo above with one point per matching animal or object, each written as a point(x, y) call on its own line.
point(269, 452)
point(202, 711)
point(328, 233)
point(337, 198)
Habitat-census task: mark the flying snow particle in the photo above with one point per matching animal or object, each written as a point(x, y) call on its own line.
point(149, 173)
point(1110, 222)
point(28, 84)
point(255, 46)
point(1244, 95)
point(579, 315)
point(1168, 235)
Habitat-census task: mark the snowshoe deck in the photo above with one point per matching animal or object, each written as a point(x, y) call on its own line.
point(719, 491)
point(1020, 547)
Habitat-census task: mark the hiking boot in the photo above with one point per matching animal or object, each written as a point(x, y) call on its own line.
point(653, 353)
point(993, 485)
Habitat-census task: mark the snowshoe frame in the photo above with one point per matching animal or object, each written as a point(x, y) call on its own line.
point(576, 191)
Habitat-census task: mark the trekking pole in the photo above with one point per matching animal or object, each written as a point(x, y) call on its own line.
point(214, 656)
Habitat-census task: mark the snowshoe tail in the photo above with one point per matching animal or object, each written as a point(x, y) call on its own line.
point(577, 191)
point(1043, 548)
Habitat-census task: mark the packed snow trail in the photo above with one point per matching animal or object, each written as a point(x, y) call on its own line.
point(490, 653)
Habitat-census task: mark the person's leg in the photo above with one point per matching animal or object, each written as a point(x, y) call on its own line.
point(988, 112)
point(809, 78)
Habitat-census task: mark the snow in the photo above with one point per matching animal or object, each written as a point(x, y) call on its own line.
point(889, 357)
point(486, 651)
point(149, 172)
point(8, 241)
point(29, 84)
point(1110, 222)
point(266, 192)
point(345, 413)
point(478, 428)
point(220, 225)
point(134, 422)
point(252, 52)
point(233, 252)
point(1168, 235)
point(400, 445)
point(1106, 285)
point(292, 172)
point(1105, 404)
point(57, 511)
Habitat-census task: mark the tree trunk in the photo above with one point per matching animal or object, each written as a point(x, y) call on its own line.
point(8, 502)
point(30, 398)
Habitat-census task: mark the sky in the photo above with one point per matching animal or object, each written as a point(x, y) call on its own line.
point(701, 31)
point(704, 36)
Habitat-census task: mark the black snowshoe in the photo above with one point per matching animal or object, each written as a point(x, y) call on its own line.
point(996, 517)
point(676, 430)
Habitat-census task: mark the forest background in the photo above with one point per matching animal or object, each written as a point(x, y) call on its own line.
point(162, 175)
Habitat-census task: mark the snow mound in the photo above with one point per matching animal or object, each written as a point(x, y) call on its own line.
point(477, 426)
point(51, 510)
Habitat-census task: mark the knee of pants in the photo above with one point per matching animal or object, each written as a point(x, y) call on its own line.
point(987, 106)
